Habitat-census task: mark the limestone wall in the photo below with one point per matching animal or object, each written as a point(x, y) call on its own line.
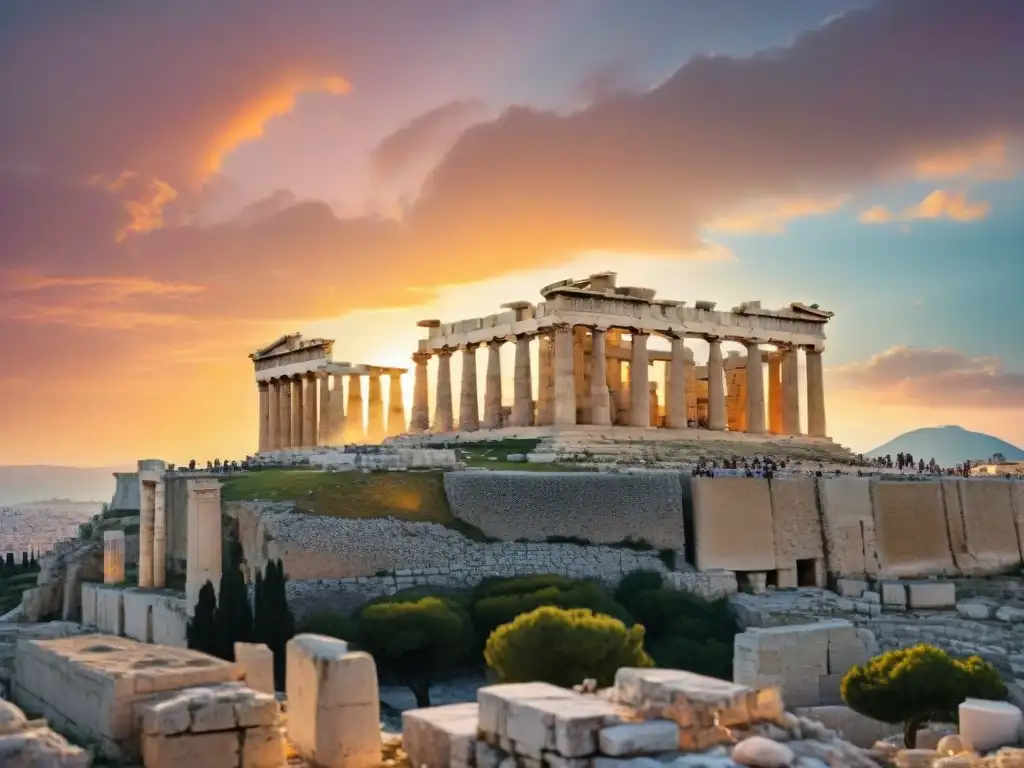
point(910, 529)
point(732, 523)
point(601, 507)
point(147, 616)
point(989, 525)
point(126, 491)
point(796, 524)
point(848, 526)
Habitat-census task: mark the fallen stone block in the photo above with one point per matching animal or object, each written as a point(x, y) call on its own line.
point(649, 737)
point(856, 728)
point(438, 737)
point(568, 726)
point(931, 594)
point(494, 702)
point(257, 663)
point(333, 702)
point(979, 610)
point(31, 744)
point(988, 725)
point(1010, 614)
point(893, 593)
point(851, 587)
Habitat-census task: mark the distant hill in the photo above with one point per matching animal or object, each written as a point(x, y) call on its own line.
point(21, 484)
point(949, 446)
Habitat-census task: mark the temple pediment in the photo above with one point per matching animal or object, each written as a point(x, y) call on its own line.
point(289, 343)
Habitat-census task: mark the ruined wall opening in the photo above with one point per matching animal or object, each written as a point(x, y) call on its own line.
point(807, 573)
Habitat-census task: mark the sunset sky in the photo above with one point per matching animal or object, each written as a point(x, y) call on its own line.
point(183, 182)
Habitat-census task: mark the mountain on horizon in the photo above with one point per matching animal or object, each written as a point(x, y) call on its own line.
point(949, 446)
point(38, 482)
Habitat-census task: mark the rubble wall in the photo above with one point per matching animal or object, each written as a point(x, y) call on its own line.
point(732, 522)
point(848, 526)
point(989, 524)
point(599, 507)
point(910, 529)
point(796, 521)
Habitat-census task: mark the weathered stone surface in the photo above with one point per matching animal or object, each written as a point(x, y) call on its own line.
point(333, 703)
point(991, 533)
point(257, 663)
point(732, 520)
point(640, 738)
point(910, 527)
point(854, 727)
point(848, 526)
point(495, 702)
point(30, 744)
point(988, 725)
point(931, 594)
point(796, 522)
point(204, 750)
point(762, 753)
point(851, 587)
point(438, 737)
point(691, 700)
point(894, 594)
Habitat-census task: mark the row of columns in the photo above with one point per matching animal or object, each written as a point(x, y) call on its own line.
point(305, 411)
point(556, 401)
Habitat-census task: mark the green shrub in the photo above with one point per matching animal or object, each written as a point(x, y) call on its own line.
point(201, 629)
point(233, 618)
point(491, 612)
point(918, 684)
point(331, 624)
point(519, 585)
point(705, 656)
point(417, 642)
point(658, 609)
point(564, 647)
point(634, 584)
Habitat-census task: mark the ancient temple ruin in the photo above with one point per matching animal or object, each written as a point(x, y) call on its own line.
point(299, 407)
point(588, 331)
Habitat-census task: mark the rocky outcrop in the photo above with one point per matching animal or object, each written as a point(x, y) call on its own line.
point(58, 592)
point(25, 742)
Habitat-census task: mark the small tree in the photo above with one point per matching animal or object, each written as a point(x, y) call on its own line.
point(273, 622)
point(233, 619)
point(918, 684)
point(25, 567)
point(9, 567)
point(564, 647)
point(202, 630)
point(417, 641)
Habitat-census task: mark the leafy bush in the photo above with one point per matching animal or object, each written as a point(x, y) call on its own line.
point(233, 616)
point(564, 647)
point(917, 684)
point(634, 584)
point(520, 585)
point(201, 630)
point(502, 606)
point(659, 610)
point(417, 641)
point(331, 624)
point(705, 656)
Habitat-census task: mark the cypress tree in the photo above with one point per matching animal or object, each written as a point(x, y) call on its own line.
point(233, 619)
point(274, 622)
point(25, 568)
point(9, 567)
point(201, 630)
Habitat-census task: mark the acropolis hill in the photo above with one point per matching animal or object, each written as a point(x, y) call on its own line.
point(598, 384)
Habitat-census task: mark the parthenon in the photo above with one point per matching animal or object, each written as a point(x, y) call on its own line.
point(298, 407)
point(589, 330)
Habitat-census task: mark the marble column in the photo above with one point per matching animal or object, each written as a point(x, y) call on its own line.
point(522, 389)
point(655, 416)
point(444, 419)
point(755, 389)
point(469, 404)
point(639, 382)
point(492, 386)
point(147, 504)
point(716, 386)
point(298, 407)
point(396, 404)
point(675, 386)
point(600, 406)
point(815, 394)
point(325, 429)
point(113, 557)
point(564, 410)
point(337, 409)
point(274, 417)
point(354, 430)
point(159, 534)
point(790, 393)
point(775, 397)
point(545, 380)
point(202, 539)
point(284, 416)
point(420, 420)
point(375, 409)
point(309, 406)
point(264, 416)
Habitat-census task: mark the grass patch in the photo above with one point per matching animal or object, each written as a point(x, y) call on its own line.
point(417, 497)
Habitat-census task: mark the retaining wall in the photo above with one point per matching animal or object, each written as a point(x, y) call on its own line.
point(732, 523)
point(910, 529)
point(848, 527)
point(796, 522)
point(989, 523)
point(600, 507)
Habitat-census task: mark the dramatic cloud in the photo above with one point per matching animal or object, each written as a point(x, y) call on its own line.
point(426, 137)
point(772, 216)
point(986, 161)
point(939, 204)
point(939, 377)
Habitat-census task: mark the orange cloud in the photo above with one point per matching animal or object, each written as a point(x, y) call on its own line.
point(251, 118)
point(117, 286)
point(940, 204)
point(987, 160)
point(772, 216)
point(144, 200)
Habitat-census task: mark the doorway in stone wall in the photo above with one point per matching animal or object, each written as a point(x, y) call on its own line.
point(807, 573)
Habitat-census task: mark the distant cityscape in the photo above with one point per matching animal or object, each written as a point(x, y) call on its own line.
point(38, 526)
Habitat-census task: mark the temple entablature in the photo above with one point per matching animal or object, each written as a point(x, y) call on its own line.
point(597, 302)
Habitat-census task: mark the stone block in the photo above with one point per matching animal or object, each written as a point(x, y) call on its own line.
point(796, 523)
point(204, 750)
point(138, 615)
point(931, 594)
point(989, 524)
point(732, 519)
point(1010, 614)
point(894, 594)
point(691, 700)
point(495, 702)
point(169, 623)
point(257, 663)
point(979, 610)
point(263, 747)
point(854, 727)
point(27, 744)
point(912, 535)
point(851, 587)
point(110, 610)
point(438, 737)
point(333, 702)
point(91, 686)
point(848, 526)
point(989, 725)
point(829, 689)
point(89, 604)
point(644, 738)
